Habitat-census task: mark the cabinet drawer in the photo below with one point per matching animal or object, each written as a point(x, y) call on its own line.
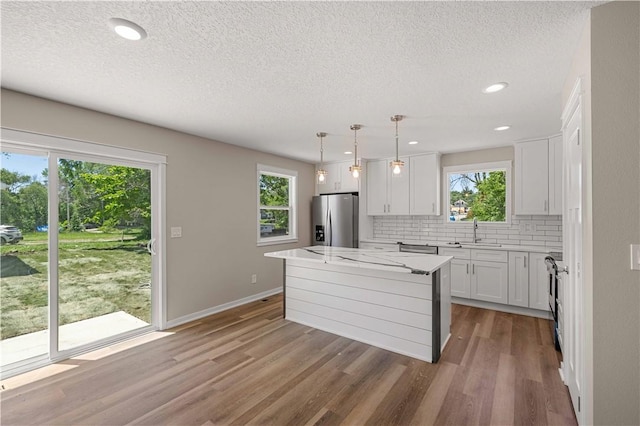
point(490, 255)
point(458, 253)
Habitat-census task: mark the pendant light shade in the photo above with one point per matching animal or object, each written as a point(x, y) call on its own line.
point(355, 169)
point(396, 164)
point(321, 174)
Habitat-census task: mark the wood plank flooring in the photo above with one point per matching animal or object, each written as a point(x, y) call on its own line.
point(249, 366)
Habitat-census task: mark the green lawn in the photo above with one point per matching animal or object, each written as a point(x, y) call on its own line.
point(99, 273)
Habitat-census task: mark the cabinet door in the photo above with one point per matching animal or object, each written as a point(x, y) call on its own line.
point(538, 282)
point(398, 194)
point(555, 175)
point(532, 177)
point(460, 278)
point(519, 278)
point(377, 187)
point(347, 182)
point(424, 184)
point(489, 281)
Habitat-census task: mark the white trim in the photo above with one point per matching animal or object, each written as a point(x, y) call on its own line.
point(61, 144)
point(225, 306)
point(575, 99)
point(469, 168)
point(292, 208)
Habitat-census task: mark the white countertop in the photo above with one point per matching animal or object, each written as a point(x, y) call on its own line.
point(367, 259)
point(504, 247)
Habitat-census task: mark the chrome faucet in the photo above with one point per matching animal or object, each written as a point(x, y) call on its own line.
point(475, 229)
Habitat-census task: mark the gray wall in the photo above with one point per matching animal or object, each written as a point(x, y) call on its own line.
point(608, 60)
point(615, 113)
point(211, 193)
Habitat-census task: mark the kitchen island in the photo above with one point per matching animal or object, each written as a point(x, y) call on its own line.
point(396, 301)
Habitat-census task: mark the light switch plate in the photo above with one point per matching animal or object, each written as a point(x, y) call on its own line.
point(176, 231)
point(635, 257)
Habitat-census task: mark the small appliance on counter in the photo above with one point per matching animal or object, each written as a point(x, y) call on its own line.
point(334, 220)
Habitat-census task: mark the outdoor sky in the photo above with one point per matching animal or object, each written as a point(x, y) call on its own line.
point(30, 165)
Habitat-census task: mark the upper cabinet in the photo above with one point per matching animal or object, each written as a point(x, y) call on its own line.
point(339, 179)
point(538, 185)
point(424, 184)
point(387, 194)
point(416, 191)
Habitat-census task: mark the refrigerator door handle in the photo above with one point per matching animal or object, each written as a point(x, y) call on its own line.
point(329, 227)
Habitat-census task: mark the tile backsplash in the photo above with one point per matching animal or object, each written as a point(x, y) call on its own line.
point(545, 231)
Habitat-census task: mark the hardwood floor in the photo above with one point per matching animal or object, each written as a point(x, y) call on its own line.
point(249, 366)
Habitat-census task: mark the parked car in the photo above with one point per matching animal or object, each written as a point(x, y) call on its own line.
point(9, 234)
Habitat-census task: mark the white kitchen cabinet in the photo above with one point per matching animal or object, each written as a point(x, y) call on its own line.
point(555, 175)
point(519, 278)
point(460, 271)
point(538, 282)
point(339, 179)
point(387, 194)
point(538, 177)
point(424, 184)
point(489, 281)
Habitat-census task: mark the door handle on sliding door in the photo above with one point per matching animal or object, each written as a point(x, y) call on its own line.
point(151, 246)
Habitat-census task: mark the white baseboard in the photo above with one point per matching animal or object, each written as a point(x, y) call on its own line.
point(503, 308)
point(225, 306)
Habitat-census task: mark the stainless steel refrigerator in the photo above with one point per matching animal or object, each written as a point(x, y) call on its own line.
point(334, 220)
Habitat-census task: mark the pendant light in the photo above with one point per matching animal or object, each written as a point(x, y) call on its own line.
point(355, 169)
point(321, 174)
point(397, 165)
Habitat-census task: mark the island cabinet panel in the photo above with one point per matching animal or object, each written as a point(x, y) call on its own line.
point(387, 309)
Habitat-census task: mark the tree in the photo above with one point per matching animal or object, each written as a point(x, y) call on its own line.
point(125, 194)
point(274, 192)
point(489, 204)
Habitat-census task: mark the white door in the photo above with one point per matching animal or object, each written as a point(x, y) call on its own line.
point(573, 291)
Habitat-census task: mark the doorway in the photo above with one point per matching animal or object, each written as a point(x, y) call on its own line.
point(91, 248)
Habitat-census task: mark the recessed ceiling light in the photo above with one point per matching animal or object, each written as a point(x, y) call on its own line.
point(348, 152)
point(413, 143)
point(501, 128)
point(496, 87)
point(127, 29)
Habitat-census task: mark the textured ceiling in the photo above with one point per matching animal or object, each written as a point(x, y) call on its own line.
point(269, 75)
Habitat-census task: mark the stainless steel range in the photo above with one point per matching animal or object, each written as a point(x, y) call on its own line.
point(555, 267)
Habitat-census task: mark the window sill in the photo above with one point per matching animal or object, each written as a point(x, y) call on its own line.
point(274, 241)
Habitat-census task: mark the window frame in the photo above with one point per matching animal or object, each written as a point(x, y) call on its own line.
point(292, 175)
point(471, 168)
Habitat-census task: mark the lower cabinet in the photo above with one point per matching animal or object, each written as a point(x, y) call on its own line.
point(514, 278)
point(489, 281)
point(538, 282)
point(478, 274)
point(519, 278)
point(460, 278)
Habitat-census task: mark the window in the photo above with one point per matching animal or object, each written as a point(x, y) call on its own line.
point(480, 191)
point(276, 206)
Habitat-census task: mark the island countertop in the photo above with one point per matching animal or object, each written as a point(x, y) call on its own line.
point(411, 263)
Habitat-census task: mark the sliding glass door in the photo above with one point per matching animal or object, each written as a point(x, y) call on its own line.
point(88, 269)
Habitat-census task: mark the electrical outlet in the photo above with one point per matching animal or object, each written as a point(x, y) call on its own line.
point(635, 257)
point(176, 232)
point(254, 279)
